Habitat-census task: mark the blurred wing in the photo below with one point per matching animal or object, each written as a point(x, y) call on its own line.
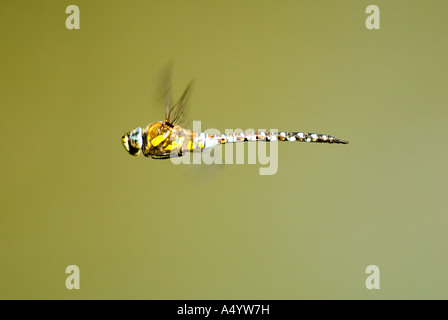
point(175, 113)
point(165, 88)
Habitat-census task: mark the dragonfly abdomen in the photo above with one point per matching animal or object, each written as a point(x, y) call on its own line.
point(309, 137)
point(203, 140)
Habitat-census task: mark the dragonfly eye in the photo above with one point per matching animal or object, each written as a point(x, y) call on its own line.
point(136, 138)
point(128, 143)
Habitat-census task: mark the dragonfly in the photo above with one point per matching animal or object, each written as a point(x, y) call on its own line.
point(166, 139)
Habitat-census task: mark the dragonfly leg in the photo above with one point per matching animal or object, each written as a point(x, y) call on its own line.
point(167, 155)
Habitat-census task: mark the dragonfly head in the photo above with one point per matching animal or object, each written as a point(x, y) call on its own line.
point(133, 141)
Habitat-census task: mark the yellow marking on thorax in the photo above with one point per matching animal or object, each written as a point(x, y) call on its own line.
point(160, 138)
point(175, 144)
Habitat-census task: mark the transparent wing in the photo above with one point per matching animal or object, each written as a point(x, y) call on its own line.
point(175, 113)
point(165, 91)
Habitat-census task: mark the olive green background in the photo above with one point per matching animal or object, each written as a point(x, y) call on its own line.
point(145, 229)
